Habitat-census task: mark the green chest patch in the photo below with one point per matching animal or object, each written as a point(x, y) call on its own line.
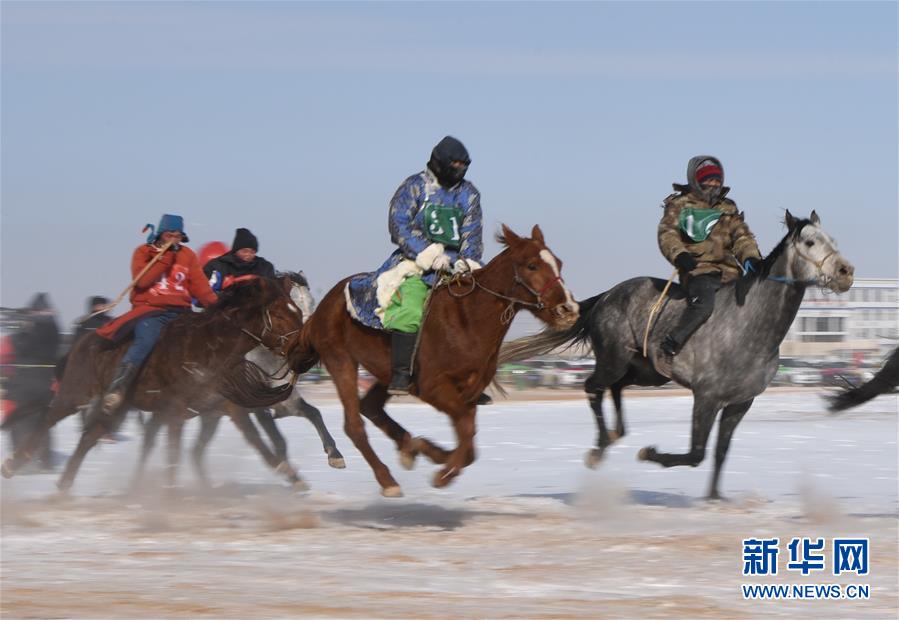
point(698, 223)
point(442, 224)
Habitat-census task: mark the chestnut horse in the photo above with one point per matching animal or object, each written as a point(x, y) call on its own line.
point(191, 369)
point(463, 327)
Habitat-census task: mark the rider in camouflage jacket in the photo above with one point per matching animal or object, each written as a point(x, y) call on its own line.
point(705, 237)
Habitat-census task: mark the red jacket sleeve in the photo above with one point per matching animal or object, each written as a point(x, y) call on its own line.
point(143, 255)
point(198, 285)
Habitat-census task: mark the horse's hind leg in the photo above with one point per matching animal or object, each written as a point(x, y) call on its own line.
point(311, 413)
point(176, 428)
point(372, 407)
point(243, 422)
point(612, 361)
point(345, 374)
point(704, 413)
point(151, 430)
point(209, 423)
point(730, 417)
point(89, 439)
point(620, 430)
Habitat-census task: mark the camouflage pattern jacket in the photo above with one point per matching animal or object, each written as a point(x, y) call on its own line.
point(728, 244)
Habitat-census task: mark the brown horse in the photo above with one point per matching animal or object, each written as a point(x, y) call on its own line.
point(464, 324)
point(190, 370)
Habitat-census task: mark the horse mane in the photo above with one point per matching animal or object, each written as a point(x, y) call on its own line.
point(780, 248)
point(238, 298)
point(297, 277)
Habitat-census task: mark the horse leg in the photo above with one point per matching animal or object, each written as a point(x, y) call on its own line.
point(603, 440)
point(245, 425)
point(730, 417)
point(464, 454)
point(22, 454)
point(176, 428)
point(608, 372)
point(89, 438)
point(372, 407)
point(267, 422)
point(703, 418)
point(345, 374)
point(311, 413)
point(209, 423)
point(151, 430)
point(620, 431)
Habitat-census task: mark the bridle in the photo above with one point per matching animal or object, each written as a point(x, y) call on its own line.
point(819, 267)
point(268, 328)
point(509, 312)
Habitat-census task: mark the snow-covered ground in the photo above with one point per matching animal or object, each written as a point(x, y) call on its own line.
point(526, 532)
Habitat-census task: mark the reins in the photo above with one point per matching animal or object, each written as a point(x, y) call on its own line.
point(509, 313)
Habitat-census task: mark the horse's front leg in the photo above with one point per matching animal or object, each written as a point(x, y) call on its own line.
point(464, 454)
point(372, 407)
point(704, 413)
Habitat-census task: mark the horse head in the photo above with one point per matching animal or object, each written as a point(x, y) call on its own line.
point(539, 273)
point(812, 255)
point(265, 310)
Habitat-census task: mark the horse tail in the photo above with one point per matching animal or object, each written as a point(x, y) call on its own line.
point(247, 385)
point(549, 339)
point(884, 381)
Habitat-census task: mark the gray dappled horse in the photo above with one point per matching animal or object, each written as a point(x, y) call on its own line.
point(729, 361)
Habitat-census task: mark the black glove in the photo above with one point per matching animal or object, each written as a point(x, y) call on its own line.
point(685, 262)
point(752, 265)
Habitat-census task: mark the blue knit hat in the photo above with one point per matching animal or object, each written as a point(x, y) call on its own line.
point(168, 223)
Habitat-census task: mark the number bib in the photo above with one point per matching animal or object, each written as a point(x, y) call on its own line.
point(698, 223)
point(442, 224)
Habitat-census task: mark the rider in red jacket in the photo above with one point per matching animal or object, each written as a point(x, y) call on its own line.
point(158, 297)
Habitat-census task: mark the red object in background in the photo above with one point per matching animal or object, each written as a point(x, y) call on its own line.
point(211, 250)
point(858, 357)
point(6, 409)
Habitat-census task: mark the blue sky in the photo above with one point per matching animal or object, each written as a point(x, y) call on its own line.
point(299, 120)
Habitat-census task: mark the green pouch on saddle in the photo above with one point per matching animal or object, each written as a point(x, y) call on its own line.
point(443, 224)
point(403, 314)
point(698, 223)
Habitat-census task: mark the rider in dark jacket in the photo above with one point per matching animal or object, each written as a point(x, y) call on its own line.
point(241, 263)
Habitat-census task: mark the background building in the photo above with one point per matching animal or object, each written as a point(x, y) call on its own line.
point(861, 325)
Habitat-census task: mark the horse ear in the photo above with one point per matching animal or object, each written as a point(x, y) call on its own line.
point(509, 237)
point(537, 234)
point(814, 219)
point(790, 220)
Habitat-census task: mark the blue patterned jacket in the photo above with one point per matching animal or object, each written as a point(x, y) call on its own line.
point(408, 230)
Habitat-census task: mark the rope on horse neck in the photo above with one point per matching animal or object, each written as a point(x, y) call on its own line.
point(655, 308)
point(509, 313)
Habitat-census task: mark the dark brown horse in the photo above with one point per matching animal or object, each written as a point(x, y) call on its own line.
point(191, 369)
point(464, 324)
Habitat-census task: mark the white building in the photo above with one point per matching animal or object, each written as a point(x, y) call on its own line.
point(862, 322)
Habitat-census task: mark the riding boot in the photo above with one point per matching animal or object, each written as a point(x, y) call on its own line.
point(402, 346)
point(114, 395)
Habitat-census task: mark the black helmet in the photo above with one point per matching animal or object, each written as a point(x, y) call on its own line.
point(444, 154)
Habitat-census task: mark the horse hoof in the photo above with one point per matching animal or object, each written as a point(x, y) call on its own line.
point(614, 436)
point(407, 460)
point(593, 458)
point(7, 469)
point(337, 462)
point(646, 454)
point(299, 485)
point(444, 477)
point(393, 491)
